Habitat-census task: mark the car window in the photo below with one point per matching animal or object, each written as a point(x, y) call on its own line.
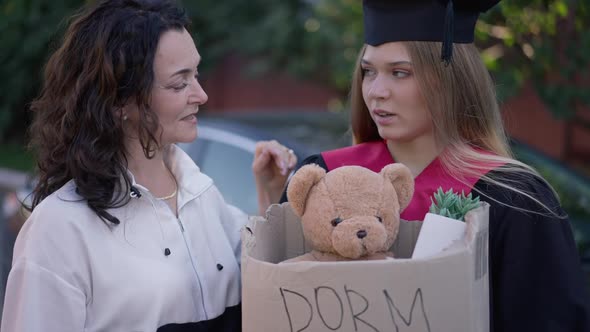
point(231, 169)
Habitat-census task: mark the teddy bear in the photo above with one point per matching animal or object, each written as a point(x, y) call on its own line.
point(351, 212)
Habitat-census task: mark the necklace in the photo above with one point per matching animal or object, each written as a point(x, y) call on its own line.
point(164, 198)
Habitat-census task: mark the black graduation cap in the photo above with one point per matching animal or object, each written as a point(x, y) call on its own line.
point(446, 21)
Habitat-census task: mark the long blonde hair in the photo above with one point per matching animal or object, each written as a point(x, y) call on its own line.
point(462, 99)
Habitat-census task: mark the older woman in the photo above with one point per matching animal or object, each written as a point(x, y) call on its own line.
point(126, 234)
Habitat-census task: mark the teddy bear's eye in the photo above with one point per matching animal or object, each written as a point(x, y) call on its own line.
point(336, 221)
point(379, 218)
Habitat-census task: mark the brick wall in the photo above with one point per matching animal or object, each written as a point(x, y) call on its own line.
point(230, 90)
point(528, 120)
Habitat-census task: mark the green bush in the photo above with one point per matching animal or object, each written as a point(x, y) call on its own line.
point(28, 29)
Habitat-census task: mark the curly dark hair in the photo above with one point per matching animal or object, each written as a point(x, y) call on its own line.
point(106, 59)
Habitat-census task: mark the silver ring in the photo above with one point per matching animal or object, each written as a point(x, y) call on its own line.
point(291, 151)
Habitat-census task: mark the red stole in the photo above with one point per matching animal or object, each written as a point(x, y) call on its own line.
point(375, 156)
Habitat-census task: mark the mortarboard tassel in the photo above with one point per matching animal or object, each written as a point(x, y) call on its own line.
point(448, 32)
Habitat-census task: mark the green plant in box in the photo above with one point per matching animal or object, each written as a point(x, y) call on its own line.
point(452, 205)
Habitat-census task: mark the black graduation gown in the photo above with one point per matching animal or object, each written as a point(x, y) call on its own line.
point(536, 281)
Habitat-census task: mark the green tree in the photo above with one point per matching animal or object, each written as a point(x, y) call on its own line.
point(538, 41)
point(542, 42)
point(27, 31)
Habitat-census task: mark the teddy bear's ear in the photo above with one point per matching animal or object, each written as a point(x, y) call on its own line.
point(400, 176)
point(301, 183)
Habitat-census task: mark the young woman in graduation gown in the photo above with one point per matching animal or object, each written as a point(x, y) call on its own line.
point(442, 120)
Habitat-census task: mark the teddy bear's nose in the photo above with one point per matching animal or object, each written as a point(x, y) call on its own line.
point(361, 234)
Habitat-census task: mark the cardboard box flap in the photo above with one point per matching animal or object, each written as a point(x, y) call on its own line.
point(406, 238)
point(277, 237)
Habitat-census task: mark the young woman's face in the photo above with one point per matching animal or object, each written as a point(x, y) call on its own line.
point(391, 93)
point(176, 92)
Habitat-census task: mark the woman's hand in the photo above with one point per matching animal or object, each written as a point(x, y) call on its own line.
point(271, 167)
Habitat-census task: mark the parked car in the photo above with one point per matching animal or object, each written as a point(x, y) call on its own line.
point(224, 150)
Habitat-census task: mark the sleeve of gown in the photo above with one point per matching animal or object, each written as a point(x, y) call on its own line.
point(536, 281)
point(313, 159)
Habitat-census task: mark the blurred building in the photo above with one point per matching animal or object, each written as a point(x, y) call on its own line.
point(526, 117)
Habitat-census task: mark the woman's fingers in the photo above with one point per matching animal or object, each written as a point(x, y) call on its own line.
point(261, 159)
point(284, 158)
point(292, 159)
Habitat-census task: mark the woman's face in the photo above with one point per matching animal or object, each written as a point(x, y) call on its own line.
point(176, 92)
point(391, 93)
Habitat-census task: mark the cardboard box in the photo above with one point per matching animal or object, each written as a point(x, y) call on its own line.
point(444, 292)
